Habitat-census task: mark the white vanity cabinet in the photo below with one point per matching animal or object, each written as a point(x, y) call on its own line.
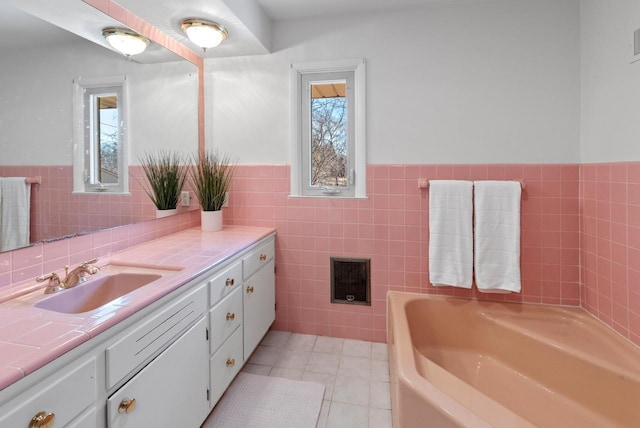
point(258, 295)
point(242, 298)
point(166, 365)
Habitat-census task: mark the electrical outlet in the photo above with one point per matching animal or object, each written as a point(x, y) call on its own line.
point(184, 198)
point(226, 200)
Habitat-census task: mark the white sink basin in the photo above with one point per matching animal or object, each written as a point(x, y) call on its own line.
point(95, 293)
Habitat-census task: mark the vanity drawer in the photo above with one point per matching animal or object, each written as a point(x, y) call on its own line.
point(66, 394)
point(224, 318)
point(257, 258)
point(225, 282)
point(153, 334)
point(225, 364)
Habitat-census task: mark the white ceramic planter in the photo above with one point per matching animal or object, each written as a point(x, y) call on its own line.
point(166, 213)
point(211, 221)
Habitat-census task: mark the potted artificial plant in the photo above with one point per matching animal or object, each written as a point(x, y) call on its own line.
point(211, 177)
point(166, 174)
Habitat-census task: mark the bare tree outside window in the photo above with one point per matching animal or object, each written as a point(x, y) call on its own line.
point(108, 145)
point(329, 138)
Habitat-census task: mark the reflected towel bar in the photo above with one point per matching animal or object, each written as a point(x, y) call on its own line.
point(33, 180)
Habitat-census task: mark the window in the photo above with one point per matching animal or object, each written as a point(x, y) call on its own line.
point(100, 122)
point(328, 136)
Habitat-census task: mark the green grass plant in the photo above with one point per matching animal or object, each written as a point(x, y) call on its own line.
point(166, 174)
point(211, 177)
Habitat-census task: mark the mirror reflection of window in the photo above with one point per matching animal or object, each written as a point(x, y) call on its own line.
point(103, 166)
point(329, 134)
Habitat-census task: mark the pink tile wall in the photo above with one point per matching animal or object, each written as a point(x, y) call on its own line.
point(610, 231)
point(27, 263)
point(391, 227)
point(56, 212)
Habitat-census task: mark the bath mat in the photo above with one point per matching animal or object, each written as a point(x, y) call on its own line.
point(267, 402)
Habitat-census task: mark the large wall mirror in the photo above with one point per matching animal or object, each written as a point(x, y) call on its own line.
point(36, 120)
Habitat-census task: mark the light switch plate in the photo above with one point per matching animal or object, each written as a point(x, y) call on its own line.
point(184, 198)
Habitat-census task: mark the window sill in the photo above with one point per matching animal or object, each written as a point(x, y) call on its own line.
point(101, 193)
point(326, 197)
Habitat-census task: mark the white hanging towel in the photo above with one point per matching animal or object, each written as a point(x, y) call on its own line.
point(451, 233)
point(497, 236)
point(15, 196)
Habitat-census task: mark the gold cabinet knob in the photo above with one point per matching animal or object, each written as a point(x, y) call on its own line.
point(249, 289)
point(127, 405)
point(229, 282)
point(231, 362)
point(230, 316)
point(42, 420)
point(263, 257)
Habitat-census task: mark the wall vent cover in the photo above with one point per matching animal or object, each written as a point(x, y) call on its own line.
point(351, 281)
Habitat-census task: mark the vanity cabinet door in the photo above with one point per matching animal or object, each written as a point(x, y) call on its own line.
point(171, 391)
point(259, 306)
point(61, 397)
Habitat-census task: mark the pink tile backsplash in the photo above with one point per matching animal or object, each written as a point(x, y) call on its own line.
point(391, 227)
point(26, 263)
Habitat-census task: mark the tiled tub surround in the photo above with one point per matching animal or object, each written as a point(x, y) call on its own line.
point(610, 248)
point(56, 211)
point(31, 337)
point(391, 227)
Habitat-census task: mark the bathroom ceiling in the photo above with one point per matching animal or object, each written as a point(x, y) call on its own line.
point(249, 21)
point(297, 9)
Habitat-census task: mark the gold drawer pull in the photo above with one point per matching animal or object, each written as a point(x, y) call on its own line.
point(249, 289)
point(263, 257)
point(229, 282)
point(231, 362)
point(127, 405)
point(42, 420)
point(230, 316)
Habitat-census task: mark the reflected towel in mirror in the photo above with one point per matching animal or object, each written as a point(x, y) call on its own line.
point(15, 196)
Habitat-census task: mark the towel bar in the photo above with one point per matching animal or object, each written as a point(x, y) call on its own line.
point(423, 183)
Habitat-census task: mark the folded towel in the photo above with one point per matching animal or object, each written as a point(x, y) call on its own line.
point(15, 197)
point(451, 233)
point(497, 236)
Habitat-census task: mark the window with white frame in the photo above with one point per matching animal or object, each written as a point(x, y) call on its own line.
point(99, 133)
point(328, 135)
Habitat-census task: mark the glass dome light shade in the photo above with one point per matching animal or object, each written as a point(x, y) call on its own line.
point(125, 41)
point(206, 34)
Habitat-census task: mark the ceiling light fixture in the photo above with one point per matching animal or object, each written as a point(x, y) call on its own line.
point(206, 34)
point(125, 41)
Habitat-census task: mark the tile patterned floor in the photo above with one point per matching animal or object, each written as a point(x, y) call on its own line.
point(355, 374)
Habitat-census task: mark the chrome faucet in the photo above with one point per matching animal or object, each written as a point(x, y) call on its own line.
point(77, 276)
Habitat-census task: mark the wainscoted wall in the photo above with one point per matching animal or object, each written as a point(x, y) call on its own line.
point(392, 227)
point(610, 230)
point(56, 211)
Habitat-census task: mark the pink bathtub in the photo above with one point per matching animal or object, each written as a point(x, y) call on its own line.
point(459, 362)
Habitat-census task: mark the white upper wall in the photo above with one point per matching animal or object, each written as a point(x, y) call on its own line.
point(610, 84)
point(486, 82)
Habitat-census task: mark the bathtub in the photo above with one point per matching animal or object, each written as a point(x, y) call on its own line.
point(460, 362)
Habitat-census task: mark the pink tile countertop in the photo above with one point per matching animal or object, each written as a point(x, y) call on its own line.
point(31, 337)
